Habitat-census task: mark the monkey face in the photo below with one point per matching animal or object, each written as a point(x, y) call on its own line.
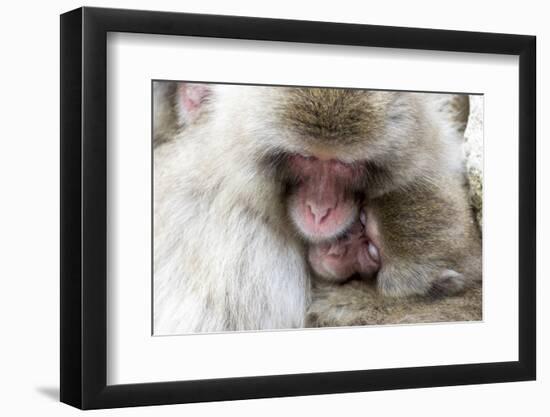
point(357, 252)
point(322, 205)
point(381, 131)
point(340, 147)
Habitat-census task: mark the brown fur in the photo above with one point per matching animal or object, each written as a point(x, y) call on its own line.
point(460, 107)
point(405, 142)
point(330, 114)
point(358, 303)
point(387, 132)
point(426, 229)
point(165, 119)
point(425, 226)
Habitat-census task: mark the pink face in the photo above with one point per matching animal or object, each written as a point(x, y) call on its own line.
point(322, 206)
point(357, 252)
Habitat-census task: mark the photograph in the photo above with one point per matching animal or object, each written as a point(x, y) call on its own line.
point(279, 207)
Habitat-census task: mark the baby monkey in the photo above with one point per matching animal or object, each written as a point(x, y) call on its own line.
point(353, 253)
point(421, 240)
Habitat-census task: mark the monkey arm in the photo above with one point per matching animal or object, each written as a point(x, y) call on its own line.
point(429, 241)
point(359, 303)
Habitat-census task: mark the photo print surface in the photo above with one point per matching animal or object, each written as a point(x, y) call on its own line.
point(278, 207)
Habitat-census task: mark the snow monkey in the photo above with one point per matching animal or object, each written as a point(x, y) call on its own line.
point(416, 232)
point(253, 174)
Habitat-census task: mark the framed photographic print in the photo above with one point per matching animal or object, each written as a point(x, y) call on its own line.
point(257, 208)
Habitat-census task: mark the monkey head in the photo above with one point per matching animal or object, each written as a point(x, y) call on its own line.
point(343, 146)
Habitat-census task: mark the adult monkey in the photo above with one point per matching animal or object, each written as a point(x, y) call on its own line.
point(252, 165)
point(358, 302)
point(418, 233)
point(225, 258)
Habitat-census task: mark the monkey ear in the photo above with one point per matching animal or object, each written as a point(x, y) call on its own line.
point(190, 99)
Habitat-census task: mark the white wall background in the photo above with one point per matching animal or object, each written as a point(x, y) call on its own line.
point(29, 225)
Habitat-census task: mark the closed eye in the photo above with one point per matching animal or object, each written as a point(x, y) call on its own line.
point(376, 174)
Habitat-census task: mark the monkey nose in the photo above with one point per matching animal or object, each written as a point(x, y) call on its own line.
point(319, 213)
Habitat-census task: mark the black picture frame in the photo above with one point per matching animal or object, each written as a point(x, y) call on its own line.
point(84, 207)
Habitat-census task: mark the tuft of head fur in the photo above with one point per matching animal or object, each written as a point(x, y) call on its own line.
point(331, 115)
